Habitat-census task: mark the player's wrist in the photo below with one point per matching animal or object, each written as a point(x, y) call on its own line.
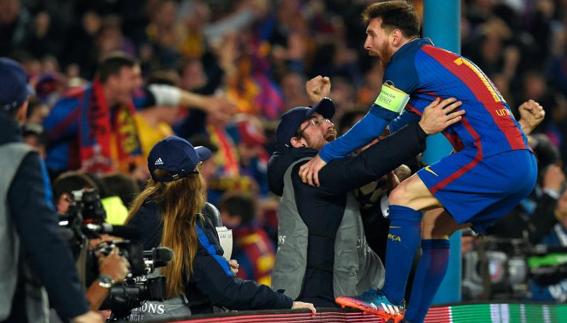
point(525, 126)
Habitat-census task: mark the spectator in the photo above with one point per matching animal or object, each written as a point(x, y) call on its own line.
point(33, 135)
point(253, 249)
point(14, 22)
point(94, 127)
point(248, 135)
point(37, 111)
point(106, 139)
point(33, 253)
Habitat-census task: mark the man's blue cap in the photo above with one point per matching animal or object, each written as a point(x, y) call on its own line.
point(292, 119)
point(14, 89)
point(177, 156)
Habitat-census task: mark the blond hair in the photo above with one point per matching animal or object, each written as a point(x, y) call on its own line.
point(180, 203)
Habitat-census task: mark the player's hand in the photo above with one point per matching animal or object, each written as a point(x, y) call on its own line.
point(88, 317)
point(234, 266)
point(309, 172)
point(308, 306)
point(531, 115)
point(440, 114)
point(317, 88)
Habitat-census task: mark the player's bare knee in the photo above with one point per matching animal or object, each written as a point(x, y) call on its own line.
point(399, 196)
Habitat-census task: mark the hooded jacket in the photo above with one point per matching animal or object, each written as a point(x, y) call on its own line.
point(322, 208)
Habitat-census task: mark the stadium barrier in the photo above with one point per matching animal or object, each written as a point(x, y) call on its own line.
point(464, 313)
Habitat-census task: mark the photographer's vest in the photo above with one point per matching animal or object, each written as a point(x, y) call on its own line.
point(356, 267)
point(11, 156)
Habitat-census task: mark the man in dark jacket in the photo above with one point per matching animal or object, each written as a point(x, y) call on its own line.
point(33, 254)
point(302, 131)
point(534, 218)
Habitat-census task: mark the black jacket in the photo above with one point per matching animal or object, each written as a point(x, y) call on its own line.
point(522, 224)
point(211, 283)
point(49, 256)
point(322, 208)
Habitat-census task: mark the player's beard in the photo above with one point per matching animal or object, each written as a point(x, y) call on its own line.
point(383, 52)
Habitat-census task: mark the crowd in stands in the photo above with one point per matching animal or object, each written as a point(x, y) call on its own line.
point(112, 78)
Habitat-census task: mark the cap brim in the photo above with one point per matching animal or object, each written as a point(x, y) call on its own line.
point(203, 153)
point(325, 107)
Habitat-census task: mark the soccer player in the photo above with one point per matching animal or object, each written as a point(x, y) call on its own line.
point(491, 171)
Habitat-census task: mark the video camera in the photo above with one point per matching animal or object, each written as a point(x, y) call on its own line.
point(84, 222)
point(136, 289)
point(501, 268)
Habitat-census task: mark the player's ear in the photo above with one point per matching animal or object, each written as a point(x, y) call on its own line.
point(396, 37)
point(297, 142)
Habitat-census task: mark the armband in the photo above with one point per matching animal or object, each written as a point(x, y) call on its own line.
point(392, 98)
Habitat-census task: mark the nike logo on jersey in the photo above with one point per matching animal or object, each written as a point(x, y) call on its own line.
point(428, 169)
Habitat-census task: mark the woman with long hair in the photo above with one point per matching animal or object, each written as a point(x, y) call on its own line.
point(168, 213)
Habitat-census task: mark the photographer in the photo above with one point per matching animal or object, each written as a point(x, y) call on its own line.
point(168, 213)
point(533, 218)
point(556, 237)
point(65, 184)
point(33, 254)
point(112, 268)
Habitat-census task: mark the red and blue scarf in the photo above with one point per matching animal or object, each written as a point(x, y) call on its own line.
point(108, 137)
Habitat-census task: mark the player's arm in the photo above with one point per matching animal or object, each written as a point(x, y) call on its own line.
point(401, 79)
point(360, 134)
point(366, 129)
point(346, 174)
point(387, 106)
point(531, 115)
point(405, 118)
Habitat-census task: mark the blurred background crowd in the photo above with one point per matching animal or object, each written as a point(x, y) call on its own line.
point(250, 60)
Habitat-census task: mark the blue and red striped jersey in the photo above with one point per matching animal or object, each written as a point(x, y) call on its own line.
point(425, 72)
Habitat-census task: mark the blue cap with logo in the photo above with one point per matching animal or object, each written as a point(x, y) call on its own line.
point(14, 89)
point(176, 156)
point(292, 119)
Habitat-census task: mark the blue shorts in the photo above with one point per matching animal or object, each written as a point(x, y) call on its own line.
point(478, 190)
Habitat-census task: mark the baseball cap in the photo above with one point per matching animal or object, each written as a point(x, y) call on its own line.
point(14, 89)
point(177, 156)
point(292, 119)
